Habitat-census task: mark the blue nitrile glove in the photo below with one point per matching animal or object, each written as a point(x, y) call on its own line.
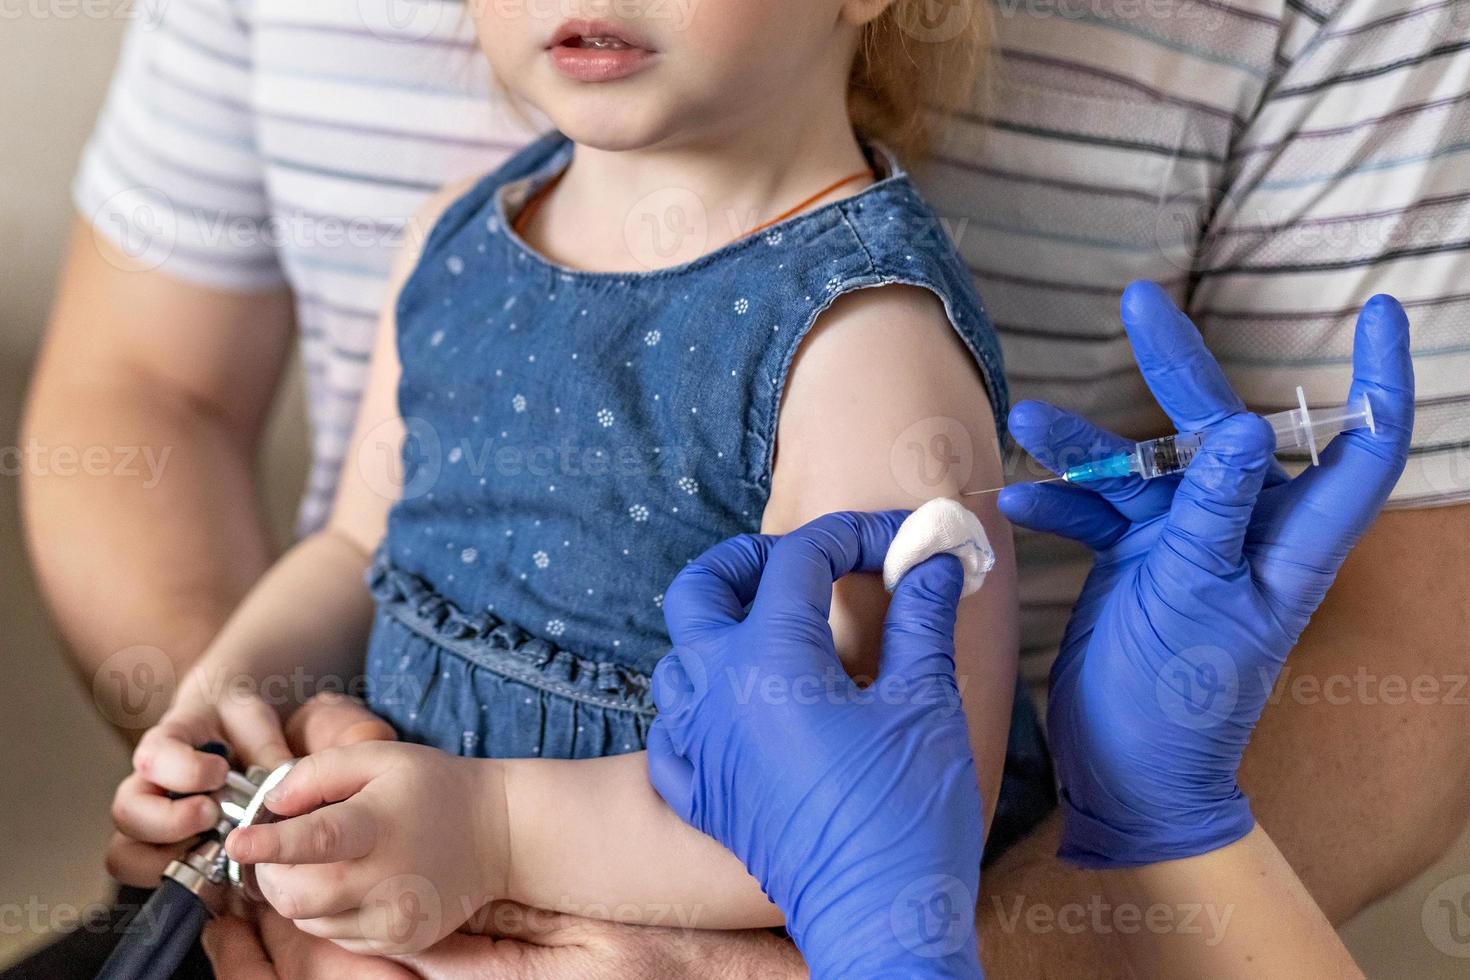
point(1201, 585)
point(857, 809)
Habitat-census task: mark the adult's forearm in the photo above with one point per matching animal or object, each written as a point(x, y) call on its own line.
point(145, 530)
point(1239, 911)
point(1357, 767)
point(591, 837)
point(1369, 708)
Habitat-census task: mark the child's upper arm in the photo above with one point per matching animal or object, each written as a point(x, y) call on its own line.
point(372, 476)
point(884, 407)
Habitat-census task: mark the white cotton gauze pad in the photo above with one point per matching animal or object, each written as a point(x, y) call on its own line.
point(942, 526)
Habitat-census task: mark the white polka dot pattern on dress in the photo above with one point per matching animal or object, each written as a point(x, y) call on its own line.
point(541, 559)
point(605, 418)
point(518, 403)
point(638, 513)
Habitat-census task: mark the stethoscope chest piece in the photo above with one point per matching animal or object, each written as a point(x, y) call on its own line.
point(255, 812)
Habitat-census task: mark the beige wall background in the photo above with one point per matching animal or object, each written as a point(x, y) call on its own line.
point(58, 765)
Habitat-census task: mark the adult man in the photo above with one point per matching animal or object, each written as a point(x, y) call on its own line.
point(258, 160)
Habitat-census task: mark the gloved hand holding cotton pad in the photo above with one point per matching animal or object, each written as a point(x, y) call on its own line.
point(943, 526)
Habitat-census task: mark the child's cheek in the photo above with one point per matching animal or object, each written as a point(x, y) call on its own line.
point(723, 35)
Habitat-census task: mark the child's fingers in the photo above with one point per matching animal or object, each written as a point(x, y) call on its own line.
point(311, 891)
point(329, 776)
point(333, 833)
point(167, 757)
point(254, 729)
point(333, 719)
point(145, 813)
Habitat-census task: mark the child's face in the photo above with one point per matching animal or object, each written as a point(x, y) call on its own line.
point(628, 74)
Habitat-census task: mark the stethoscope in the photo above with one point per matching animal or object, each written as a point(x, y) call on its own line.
point(197, 886)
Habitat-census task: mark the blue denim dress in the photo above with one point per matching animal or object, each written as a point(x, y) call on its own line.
point(575, 438)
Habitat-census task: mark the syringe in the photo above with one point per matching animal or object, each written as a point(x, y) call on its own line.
point(1295, 428)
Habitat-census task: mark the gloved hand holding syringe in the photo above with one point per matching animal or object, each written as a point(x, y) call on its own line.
point(1296, 429)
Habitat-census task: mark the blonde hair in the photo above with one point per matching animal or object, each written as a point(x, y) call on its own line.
point(912, 72)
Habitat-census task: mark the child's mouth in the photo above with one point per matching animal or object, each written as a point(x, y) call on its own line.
point(598, 43)
point(591, 51)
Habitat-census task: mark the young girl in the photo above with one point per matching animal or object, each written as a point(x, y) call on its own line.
point(711, 303)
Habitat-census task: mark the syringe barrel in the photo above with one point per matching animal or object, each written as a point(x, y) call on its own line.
point(1166, 454)
point(1321, 424)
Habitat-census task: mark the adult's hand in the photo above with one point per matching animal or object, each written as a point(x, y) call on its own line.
point(512, 942)
point(270, 947)
point(1201, 586)
point(856, 809)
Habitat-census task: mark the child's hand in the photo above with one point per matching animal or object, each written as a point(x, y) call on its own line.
point(388, 848)
point(168, 761)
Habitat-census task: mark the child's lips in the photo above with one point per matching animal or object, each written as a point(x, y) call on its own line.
point(595, 51)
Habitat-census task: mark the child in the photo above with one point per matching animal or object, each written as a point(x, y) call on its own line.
point(707, 305)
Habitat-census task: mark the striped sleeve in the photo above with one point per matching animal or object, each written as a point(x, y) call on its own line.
point(1351, 180)
point(172, 175)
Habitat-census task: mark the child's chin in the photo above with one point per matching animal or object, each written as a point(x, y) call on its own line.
point(613, 129)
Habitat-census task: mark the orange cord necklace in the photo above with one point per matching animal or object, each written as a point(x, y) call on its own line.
point(528, 212)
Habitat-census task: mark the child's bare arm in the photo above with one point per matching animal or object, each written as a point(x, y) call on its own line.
point(885, 408)
point(882, 371)
point(591, 837)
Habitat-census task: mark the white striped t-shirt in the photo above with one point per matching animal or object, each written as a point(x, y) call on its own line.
point(1271, 162)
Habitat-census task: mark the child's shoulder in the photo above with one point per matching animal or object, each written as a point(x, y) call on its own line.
point(899, 230)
